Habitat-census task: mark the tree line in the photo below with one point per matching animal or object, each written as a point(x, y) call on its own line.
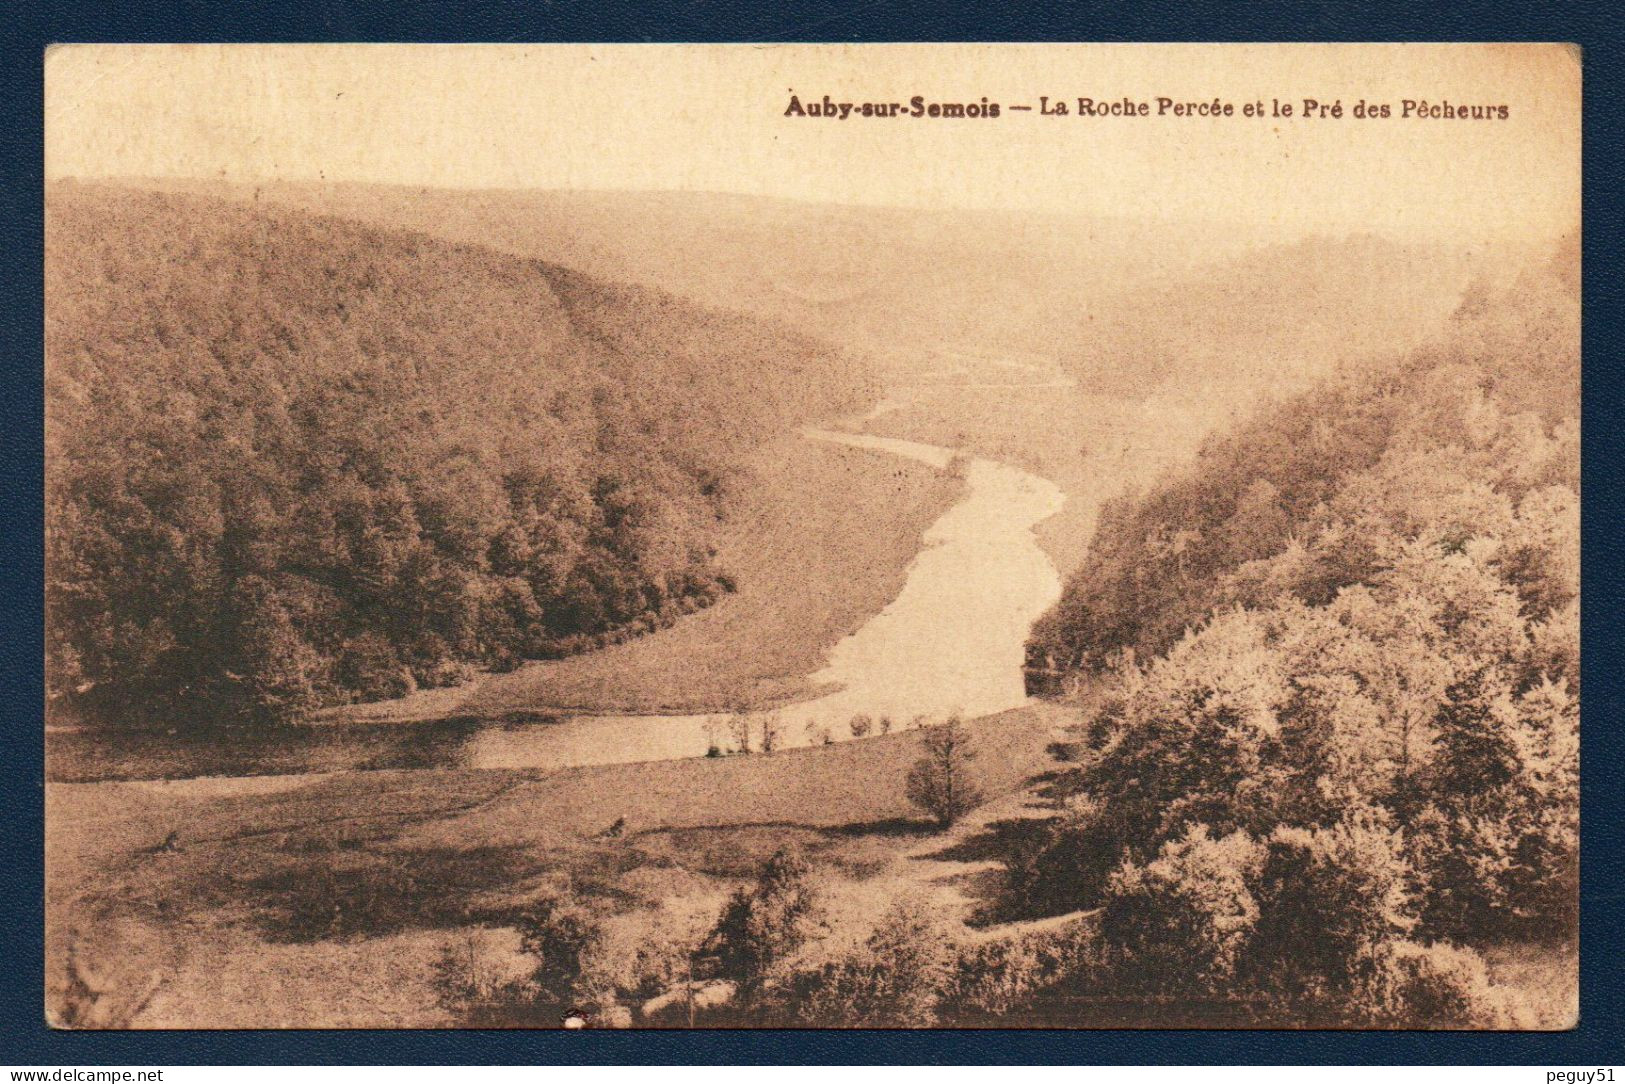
point(293, 461)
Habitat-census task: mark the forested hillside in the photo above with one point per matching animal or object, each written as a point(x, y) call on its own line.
point(1309, 496)
point(1333, 671)
point(294, 461)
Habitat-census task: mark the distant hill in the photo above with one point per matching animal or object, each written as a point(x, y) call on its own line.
point(1123, 304)
point(295, 460)
point(1274, 317)
point(898, 284)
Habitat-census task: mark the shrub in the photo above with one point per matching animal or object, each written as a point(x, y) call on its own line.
point(1180, 923)
point(661, 948)
point(279, 669)
point(443, 673)
point(473, 976)
point(1329, 901)
point(1432, 986)
point(1065, 865)
point(896, 978)
point(325, 899)
point(860, 726)
point(995, 977)
point(370, 668)
point(563, 937)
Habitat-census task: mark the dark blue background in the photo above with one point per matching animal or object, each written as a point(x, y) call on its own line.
point(24, 1040)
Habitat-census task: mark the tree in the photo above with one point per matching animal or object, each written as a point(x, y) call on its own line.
point(772, 730)
point(562, 936)
point(1330, 900)
point(274, 481)
point(1179, 923)
point(276, 666)
point(941, 781)
point(760, 927)
point(739, 727)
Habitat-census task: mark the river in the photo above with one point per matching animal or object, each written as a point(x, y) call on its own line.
point(951, 642)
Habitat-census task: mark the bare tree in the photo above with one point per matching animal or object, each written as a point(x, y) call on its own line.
point(772, 731)
point(941, 781)
point(715, 727)
point(739, 725)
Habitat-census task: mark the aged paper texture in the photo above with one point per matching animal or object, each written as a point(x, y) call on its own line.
point(828, 536)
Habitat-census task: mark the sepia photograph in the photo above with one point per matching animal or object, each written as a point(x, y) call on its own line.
point(812, 536)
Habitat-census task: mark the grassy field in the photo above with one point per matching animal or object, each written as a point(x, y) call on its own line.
point(823, 542)
point(297, 900)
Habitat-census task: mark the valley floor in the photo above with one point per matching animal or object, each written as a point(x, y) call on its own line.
point(328, 900)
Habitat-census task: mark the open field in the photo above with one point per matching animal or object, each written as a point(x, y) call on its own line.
point(328, 899)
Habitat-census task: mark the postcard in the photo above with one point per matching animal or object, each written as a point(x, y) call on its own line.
point(819, 536)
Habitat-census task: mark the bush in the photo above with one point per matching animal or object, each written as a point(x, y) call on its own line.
point(991, 978)
point(279, 670)
point(564, 938)
point(473, 976)
point(1329, 901)
point(1065, 866)
point(654, 951)
point(442, 673)
point(370, 668)
point(1433, 986)
point(326, 899)
point(895, 980)
point(1180, 923)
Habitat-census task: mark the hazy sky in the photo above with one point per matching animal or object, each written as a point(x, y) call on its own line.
point(711, 118)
